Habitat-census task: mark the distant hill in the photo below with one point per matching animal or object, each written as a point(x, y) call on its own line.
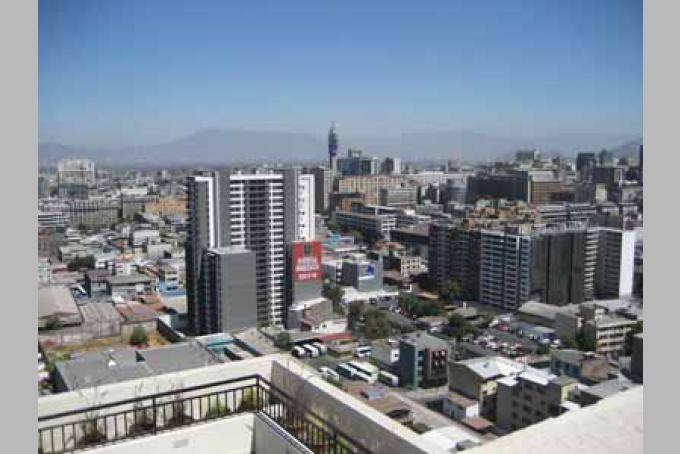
point(229, 146)
point(628, 149)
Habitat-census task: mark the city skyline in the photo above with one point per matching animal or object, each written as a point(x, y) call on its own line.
point(137, 74)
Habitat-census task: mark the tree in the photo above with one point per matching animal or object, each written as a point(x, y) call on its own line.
point(420, 308)
point(283, 341)
point(459, 327)
point(376, 325)
point(583, 342)
point(53, 323)
point(451, 290)
point(354, 314)
point(358, 236)
point(139, 336)
point(543, 349)
point(568, 342)
point(81, 262)
point(335, 294)
point(628, 346)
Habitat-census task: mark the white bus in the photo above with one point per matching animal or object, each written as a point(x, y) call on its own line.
point(363, 351)
point(321, 347)
point(365, 371)
point(299, 352)
point(346, 371)
point(388, 378)
point(313, 352)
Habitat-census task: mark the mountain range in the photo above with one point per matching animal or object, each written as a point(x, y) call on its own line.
point(238, 146)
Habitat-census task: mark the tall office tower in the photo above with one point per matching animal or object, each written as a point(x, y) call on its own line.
point(42, 186)
point(454, 255)
point(505, 275)
point(563, 264)
point(355, 163)
point(391, 166)
point(527, 156)
point(332, 147)
point(585, 163)
point(606, 158)
point(615, 263)
point(245, 210)
point(228, 290)
point(75, 177)
point(508, 185)
point(323, 186)
point(640, 159)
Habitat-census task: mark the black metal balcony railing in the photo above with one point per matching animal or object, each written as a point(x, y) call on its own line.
point(113, 422)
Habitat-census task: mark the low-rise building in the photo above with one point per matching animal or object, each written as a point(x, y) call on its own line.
point(530, 397)
point(422, 360)
point(364, 275)
point(587, 367)
point(130, 286)
point(459, 407)
point(596, 393)
point(608, 333)
point(476, 379)
point(101, 368)
point(57, 307)
point(385, 352)
point(95, 282)
point(636, 358)
point(371, 225)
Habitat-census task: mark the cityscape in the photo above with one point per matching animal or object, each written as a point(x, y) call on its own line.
point(349, 298)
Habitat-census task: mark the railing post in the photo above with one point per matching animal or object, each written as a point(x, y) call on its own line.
point(257, 394)
point(155, 415)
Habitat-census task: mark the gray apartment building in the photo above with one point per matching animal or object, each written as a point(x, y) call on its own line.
point(615, 263)
point(454, 255)
point(228, 290)
point(563, 264)
point(505, 267)
point(323, 186)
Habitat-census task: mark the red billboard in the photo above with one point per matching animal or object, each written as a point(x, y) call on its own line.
point(307, 261)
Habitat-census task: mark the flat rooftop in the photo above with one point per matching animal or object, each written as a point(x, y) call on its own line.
point(613, 425)
point(424, 340)
point(113, 366)
point(56, 300)
point(129, 279)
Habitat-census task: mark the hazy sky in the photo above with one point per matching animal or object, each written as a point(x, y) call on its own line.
point(138, 72)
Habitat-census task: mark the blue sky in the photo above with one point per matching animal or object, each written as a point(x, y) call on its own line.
point(139, 72)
